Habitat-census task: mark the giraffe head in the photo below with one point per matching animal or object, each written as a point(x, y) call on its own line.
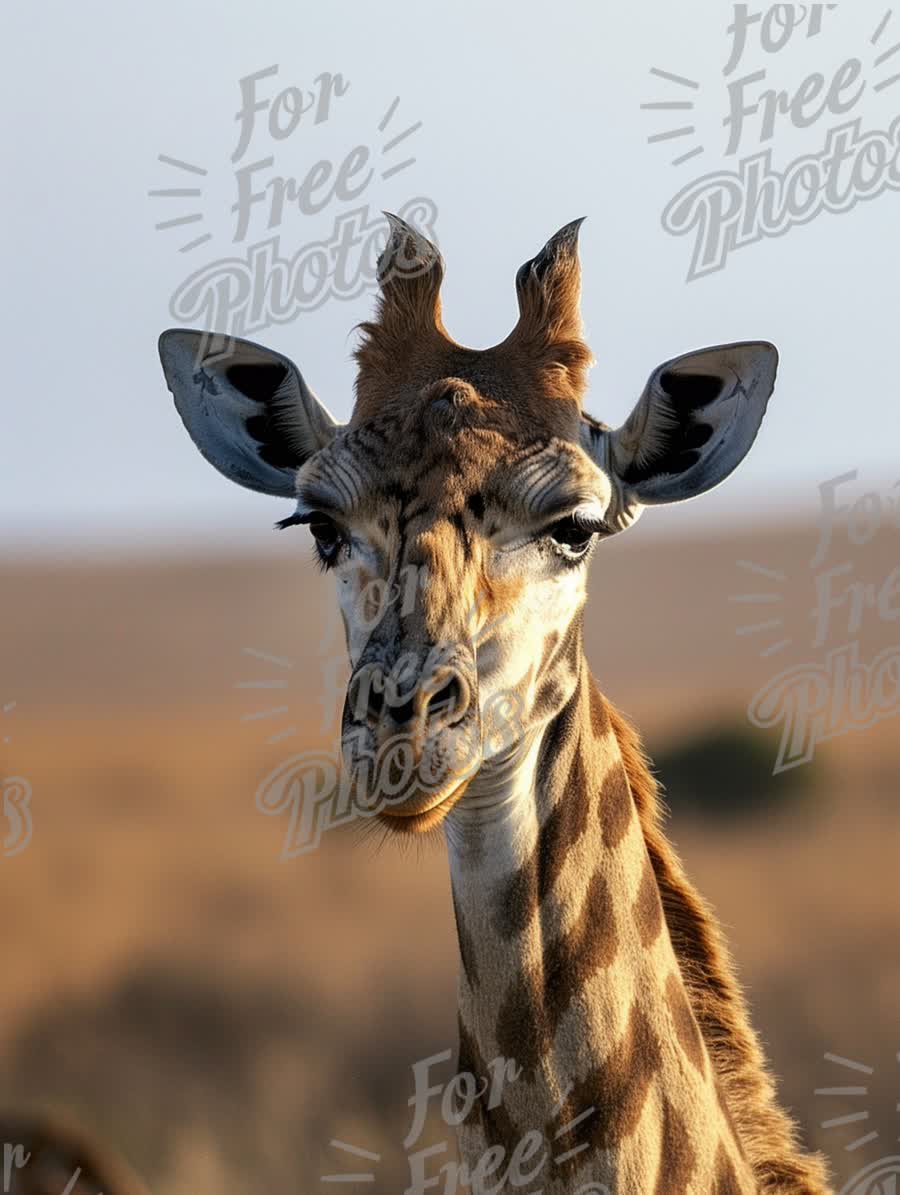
point(459, 507)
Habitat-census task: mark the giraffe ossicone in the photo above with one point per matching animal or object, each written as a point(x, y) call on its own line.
point(586, 956)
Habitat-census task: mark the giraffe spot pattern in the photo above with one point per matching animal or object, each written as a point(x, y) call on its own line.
point(617, 1089)
point(521, 895)
point(566, 825)
point(538, 998)
point(496, 1125)
point(561, 735)
point(725, 1180)
point(523, 1030)
point(599, 715)
point(616, 806)
point(678, 1158)
point(549, 696)
point(648, 912)
point(686, 1027)
point(518, 901)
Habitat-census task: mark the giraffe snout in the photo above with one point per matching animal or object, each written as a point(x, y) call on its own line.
point(412, 736)
point(423, 705)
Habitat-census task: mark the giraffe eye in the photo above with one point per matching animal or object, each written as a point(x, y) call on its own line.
point(324, 529)
point(572, 536)
point(328, 536)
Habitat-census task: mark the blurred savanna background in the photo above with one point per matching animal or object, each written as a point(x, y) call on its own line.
point(220, 1015)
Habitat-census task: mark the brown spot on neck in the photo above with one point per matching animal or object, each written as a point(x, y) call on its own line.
point(495, 1123)
point(648, 914)
point(543, 992)
point(615, 806)
point(520, 897)
point(725, 1180)
point(617, 1089)
point(678, 1158)
point(686, 1028)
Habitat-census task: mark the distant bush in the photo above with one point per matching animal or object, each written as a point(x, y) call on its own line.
point(724, 772)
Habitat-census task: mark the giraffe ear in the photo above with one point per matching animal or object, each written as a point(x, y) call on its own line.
point(693, 425)
point(247, 409)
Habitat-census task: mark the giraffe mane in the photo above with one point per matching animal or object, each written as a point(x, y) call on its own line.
point(766, 1133)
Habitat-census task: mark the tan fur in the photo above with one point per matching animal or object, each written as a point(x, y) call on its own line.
point(766, 1132)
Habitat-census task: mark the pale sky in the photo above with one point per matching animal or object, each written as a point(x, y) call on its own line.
point(530, 116)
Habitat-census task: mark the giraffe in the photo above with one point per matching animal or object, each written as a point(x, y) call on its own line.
point(586, 956)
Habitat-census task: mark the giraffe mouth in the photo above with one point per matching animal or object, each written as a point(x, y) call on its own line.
point(415, 817)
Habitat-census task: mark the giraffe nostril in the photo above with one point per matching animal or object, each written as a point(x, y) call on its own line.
point(448, 703)
point(403, 712)
point(438, 702)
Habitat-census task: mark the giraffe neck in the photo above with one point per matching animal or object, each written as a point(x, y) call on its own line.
point(568, 970)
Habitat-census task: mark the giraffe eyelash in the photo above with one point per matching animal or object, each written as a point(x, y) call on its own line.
point(573, 550)
point(294, 520)
point(326, 549)
point(323, 563)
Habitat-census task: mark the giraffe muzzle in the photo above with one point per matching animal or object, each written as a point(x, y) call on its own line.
point(387, 704)
point(412, 735)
